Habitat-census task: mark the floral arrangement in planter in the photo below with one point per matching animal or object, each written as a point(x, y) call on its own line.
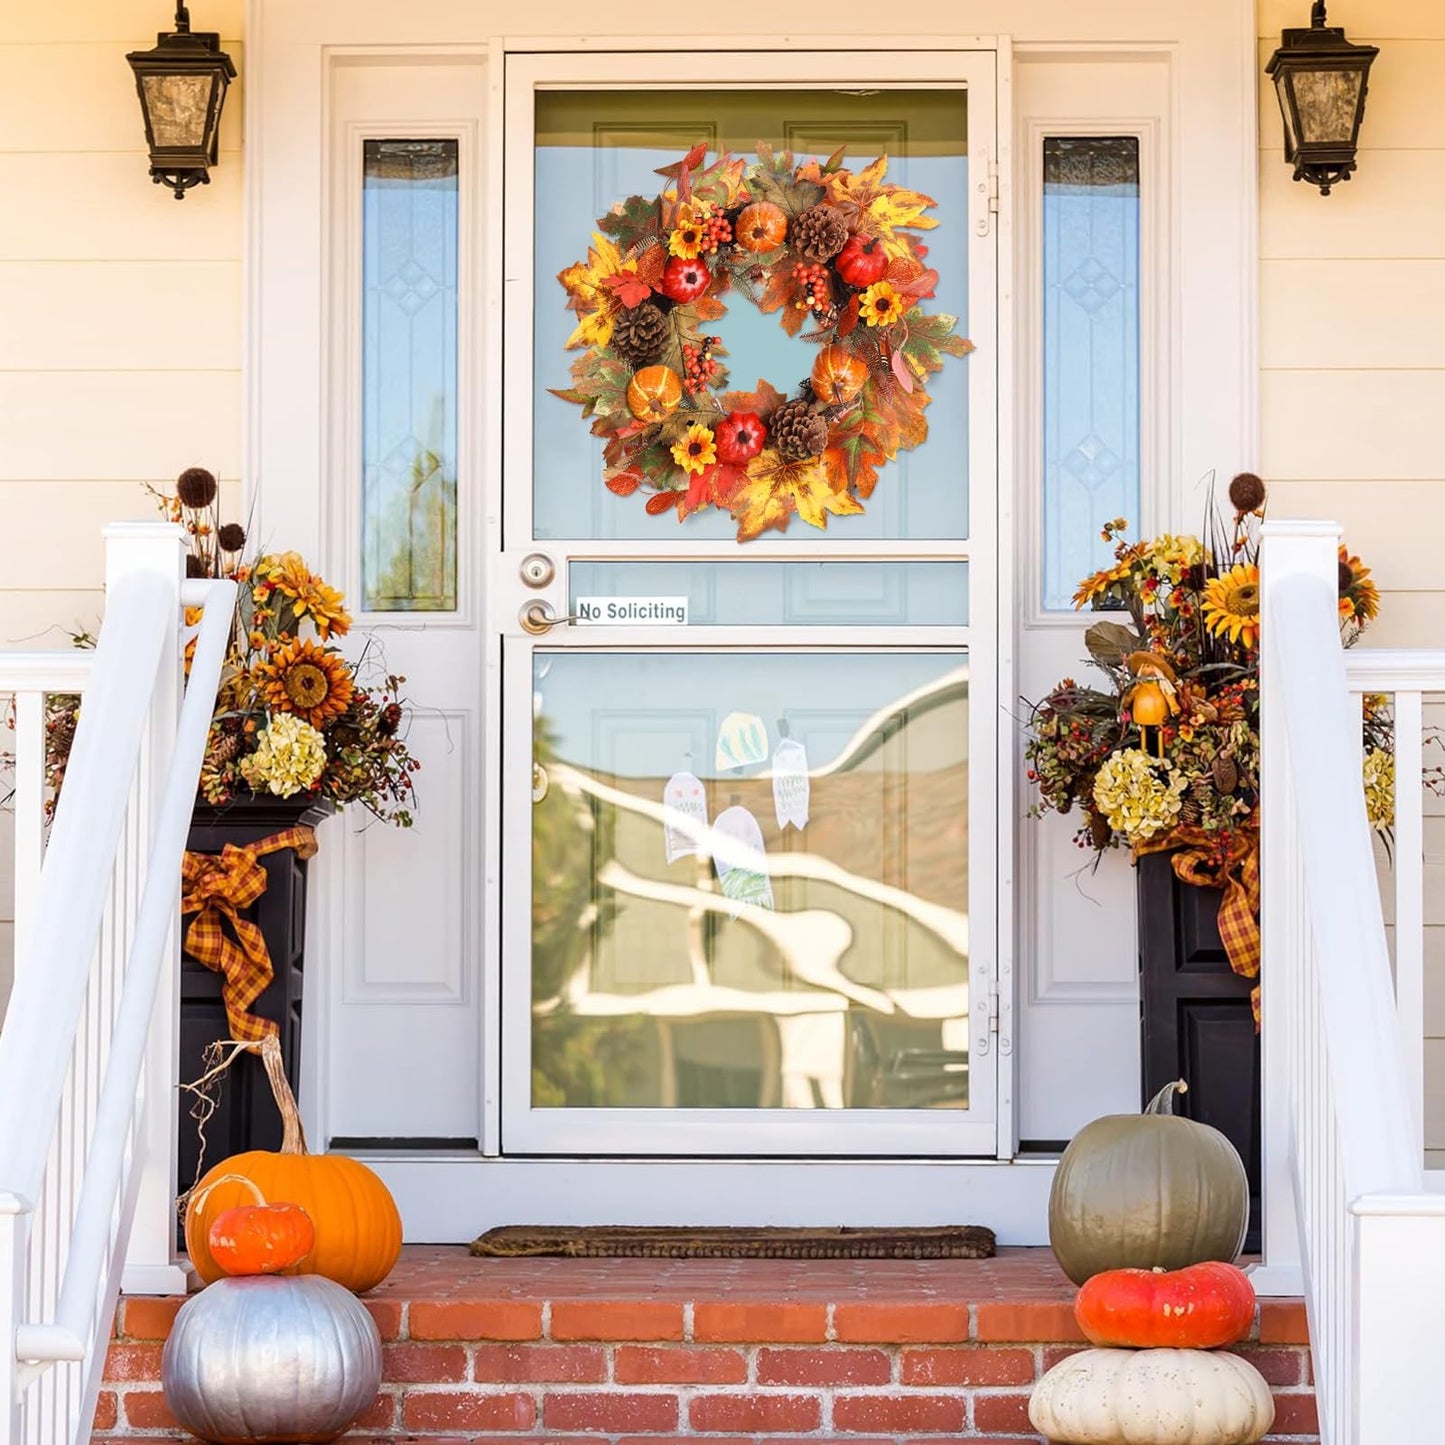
point(295, 718)
point(1163, 753)
point(815, 242)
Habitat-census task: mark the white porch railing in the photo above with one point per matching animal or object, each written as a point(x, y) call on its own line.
point(1347, 1213)
point(86, 1120)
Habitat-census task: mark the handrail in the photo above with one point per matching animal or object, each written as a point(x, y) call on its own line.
point(1395, 669)
point(1356, 990)
point(66, 1338)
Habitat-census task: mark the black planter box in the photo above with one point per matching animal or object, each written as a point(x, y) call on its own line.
point(1196, 1018)
point(246, 1116)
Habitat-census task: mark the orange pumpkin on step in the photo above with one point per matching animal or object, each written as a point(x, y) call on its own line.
point(761, 227)
point(838, 375)
point(1198, 1308)
point(358, 1228)
point(655, 392)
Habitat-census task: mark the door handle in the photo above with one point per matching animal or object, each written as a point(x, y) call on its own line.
point(538, 618)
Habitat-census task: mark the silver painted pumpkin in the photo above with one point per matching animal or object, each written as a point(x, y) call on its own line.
point(270, 1357)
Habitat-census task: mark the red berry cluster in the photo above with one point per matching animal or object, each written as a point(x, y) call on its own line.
point(717, 231)
point(816, 293)
point(698, 366)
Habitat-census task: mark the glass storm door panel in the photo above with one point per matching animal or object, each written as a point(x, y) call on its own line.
point(750, 897)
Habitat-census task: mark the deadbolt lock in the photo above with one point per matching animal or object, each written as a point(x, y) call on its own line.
point(537, 569)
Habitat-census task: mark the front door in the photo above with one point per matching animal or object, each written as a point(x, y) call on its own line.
point(749, 821)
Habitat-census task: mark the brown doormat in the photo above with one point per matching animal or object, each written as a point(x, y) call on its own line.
point(518, 1241)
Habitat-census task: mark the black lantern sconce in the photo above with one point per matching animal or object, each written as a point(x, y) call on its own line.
point(1321, 79)
point(182, 87)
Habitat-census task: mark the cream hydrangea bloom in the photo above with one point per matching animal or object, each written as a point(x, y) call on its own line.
point(1380, 788)
point(1138, 795)
point(290, 757)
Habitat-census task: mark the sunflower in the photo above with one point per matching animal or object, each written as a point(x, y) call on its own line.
point(307, 680)
point(1359, 597)
point(695, 452)
point(310, 596)
point(880, 304)
point(1231, 604)
point(687, 237)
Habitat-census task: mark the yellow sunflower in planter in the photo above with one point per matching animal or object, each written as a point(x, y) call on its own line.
point(302, 678)
point(1231, 604)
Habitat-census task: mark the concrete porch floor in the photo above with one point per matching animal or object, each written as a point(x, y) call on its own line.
point(647, 1351)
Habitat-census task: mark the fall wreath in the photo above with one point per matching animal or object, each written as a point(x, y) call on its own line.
point(824, 247)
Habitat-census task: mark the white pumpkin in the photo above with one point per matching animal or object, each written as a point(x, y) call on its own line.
point(1152, 1397)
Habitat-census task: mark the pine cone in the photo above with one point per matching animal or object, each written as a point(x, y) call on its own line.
point(639, 335)
point(798, 431)
point(819, 234)
point(1226, 775)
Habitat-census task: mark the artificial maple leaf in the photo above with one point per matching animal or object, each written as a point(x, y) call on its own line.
point(848, 317)
point(886, 208)
point(690, 162)
point(762, 403)
point(928, 339)
point(628, 287)
point(776, 489)
point(910, 277)
point(590, 293)
point(710, 308)
point(714, 486)
point(651, 264)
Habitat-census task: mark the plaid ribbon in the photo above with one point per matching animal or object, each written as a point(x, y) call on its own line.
point(1234, 869)
point(216, 887)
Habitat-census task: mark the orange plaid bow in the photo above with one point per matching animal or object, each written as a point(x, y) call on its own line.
point(216, 886)
point(1234, 869)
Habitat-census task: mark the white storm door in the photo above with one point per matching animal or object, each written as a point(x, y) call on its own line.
point(839, 1003)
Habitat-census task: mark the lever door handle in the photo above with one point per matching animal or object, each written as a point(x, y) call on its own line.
point(538, 618)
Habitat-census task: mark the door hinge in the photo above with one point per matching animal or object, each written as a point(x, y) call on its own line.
point(993, 1010)
point(993, 187)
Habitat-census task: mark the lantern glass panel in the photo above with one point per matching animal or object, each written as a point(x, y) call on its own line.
point(178, 106)
point(1328, 102)
point(1286, 110)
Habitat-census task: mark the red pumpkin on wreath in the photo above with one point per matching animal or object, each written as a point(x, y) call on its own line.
point(862, 261)
point(739, 437)
point(685, 280)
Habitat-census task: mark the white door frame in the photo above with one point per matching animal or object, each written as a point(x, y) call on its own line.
point(289, 47)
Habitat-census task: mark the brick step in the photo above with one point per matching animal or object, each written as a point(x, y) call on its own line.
point(654, 1351)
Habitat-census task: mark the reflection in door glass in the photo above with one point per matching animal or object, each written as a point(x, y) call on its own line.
point(409, 376)
point(597, 148)
point(750, 881)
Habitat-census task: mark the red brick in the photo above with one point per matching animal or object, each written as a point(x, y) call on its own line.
point(1049, 1320)
point(534, 1364)
point(444, 1410)
point(1283, 1322)
point(107, 1410)
point(1055, 1353)
point(424, 1364)
point(786, 1323)
point(476, 1320)
point(612, 1411)
point(678, 1365)
point(691, 1440)
point(388, 1316)
point(968, 1366)
point(922, 1323)
point(770, 1414)
point(134, 1363)
point(1295, 1415)
point(1279, 1367)
point(900, 1413)
point(1000, 1412)
point(147, 1410)
point(379, 1415)
point(824, 1367)
point(616, 1320)
point(149, 1319)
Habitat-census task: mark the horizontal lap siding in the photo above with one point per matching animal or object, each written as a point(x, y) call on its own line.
point(1352, 349)
point(120, 315)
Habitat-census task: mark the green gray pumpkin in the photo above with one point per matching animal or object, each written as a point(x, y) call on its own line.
point(1147, 1191)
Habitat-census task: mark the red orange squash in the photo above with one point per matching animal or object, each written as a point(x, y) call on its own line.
point(761, 227)
point(258, 1238)
point(838, 375)
point(1198, 1308)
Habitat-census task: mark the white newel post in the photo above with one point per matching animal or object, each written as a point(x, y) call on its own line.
point(152, 1264)
point(1287, 549)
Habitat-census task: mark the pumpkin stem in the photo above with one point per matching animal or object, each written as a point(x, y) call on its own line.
point(1163, 1101)
point(293, 1136)
point(198, 1201)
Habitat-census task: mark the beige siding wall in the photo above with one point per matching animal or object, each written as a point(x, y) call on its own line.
point(1352, 318)
point(120, 312)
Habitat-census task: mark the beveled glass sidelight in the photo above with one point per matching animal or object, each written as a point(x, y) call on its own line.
point(1320, 79)
point(182, 86)
point(409, 240)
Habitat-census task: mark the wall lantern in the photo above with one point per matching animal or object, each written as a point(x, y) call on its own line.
point(182, 86)
point(1320, 79)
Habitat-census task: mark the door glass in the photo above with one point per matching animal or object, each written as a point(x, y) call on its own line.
point(750, 880)
point(775, 594)
point(409, 376)
point(597, 148)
